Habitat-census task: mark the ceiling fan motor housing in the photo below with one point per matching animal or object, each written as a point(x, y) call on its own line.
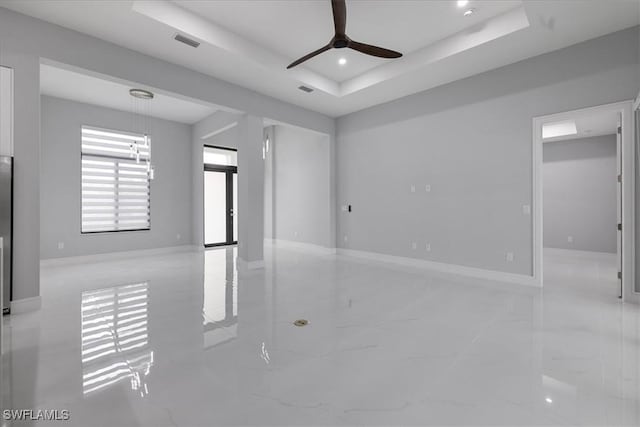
point(339, 43)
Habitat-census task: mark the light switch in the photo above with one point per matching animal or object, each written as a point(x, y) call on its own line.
point(413, 188)
point(526, 209)
point(427, 188)
point(428, 247)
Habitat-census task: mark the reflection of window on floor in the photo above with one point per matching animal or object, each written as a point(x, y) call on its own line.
point(220, 305)
point(115, 340)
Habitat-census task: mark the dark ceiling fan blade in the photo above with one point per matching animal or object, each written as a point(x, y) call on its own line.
point(373, 50)
point(309, 56)
point(339, 16)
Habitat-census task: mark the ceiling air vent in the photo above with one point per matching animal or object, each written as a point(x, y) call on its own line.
point(305, 89)
point(186, 40)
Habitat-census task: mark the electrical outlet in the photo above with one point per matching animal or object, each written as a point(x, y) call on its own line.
point(509, 257)
point(60, 245)
point(414, 246)
point(178, 236)
point(346, 239)
point(413, 188)
point(427, 188)
point(427, 247)
point(295, 234)
point(570, 239)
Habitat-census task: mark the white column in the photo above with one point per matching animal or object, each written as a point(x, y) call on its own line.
point(250, 192)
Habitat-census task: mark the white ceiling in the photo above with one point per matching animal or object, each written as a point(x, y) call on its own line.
point(66, 84)
point(591, 124)
point(250, 42)
point(304, 26)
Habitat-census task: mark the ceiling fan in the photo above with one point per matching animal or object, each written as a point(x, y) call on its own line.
point(340, 39)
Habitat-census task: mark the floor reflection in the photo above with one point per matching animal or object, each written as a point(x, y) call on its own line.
point(115, 338)
point(220, 303)
point(385, 345)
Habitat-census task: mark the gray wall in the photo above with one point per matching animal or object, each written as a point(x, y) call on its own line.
point(579, 194)
point(60, 198)
point(471, 141)
point(301, 186)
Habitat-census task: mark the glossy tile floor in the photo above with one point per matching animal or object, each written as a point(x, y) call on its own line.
point(182, 340)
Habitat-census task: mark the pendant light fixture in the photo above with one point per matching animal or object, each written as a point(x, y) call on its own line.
point(141, 106)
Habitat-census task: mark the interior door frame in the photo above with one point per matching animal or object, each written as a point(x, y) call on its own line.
point(229, 171)
point(628, 192)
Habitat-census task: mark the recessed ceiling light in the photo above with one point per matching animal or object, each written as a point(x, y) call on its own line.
point(469, 12)
point(463, 3)
point(342, 61)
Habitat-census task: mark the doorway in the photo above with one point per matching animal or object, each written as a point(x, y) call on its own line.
point(597, 139)
point(220, 196)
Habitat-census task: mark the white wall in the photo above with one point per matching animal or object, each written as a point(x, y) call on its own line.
point(471, 141)
point(60, 197)
point(579, 200)
point(228, 139)
point(301, 186)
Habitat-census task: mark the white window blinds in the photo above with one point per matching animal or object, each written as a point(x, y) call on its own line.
point(115, 181)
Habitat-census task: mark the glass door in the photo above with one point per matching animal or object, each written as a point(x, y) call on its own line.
point(220, 196)
point(220, 206)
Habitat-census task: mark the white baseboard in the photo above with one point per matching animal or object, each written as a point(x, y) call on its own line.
point(578, 254)
point(301, 246)
point(498, 276)
point(26, 305)
point(112, 256)
point(243, 265)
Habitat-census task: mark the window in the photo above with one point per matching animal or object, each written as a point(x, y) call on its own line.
point(220, 156)
point(116, 186)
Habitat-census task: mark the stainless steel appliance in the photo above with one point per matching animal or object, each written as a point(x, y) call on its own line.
point(6, 225)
